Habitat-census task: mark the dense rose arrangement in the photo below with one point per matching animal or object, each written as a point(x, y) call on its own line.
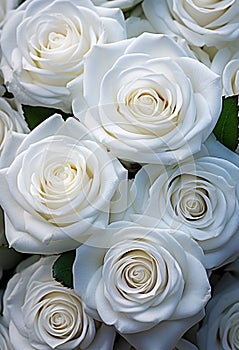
point(119, 170)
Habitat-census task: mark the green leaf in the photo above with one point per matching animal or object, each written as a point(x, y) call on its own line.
point(62, 268)
point(226, 130)
point(127, 14)
point(36, 115)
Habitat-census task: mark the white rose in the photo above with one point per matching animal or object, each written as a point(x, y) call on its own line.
point(123, 4)
point(44, 44)
point(4, 336)
point(42, 314)
point(200, 197)
point(59, 188)
point(12, 125)
point(148, 103)
point(199, 22)
point(219, 329)
point(144, 284)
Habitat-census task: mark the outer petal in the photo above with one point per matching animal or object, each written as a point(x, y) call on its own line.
point(156, 339)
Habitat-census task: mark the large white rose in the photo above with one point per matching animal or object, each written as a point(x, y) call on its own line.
point(144, 284)
point(200, 197)
point(123, 4)
point(147, 102)
point(44, 44)
point(201, 23)
point(42, 314)
point(219, 329)
point(59, 188)
point(4, 336)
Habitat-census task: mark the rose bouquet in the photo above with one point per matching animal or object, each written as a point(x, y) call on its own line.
point(119, 175)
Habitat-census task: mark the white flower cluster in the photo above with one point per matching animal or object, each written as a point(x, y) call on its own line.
point(123, 170)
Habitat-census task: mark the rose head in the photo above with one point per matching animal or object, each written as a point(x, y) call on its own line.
point(144, 283)
point(59, 188)
point(43, 314)
point(49, 41)
point(147, 102)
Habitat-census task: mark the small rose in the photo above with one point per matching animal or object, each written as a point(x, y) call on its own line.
point(143, 284)
point(42, 314)
point(210, 23)
point(59, 188)
point(161, 106)
point(44, 44)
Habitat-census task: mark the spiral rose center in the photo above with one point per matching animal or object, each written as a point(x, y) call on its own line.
point(59, 178)
point(59, 320)
point(193, 205)
point(58, 317)
point(62, 173)
point(55, 40)
point(137, 272)
point(136, 275)
point(146, 102)
point(189, 198)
